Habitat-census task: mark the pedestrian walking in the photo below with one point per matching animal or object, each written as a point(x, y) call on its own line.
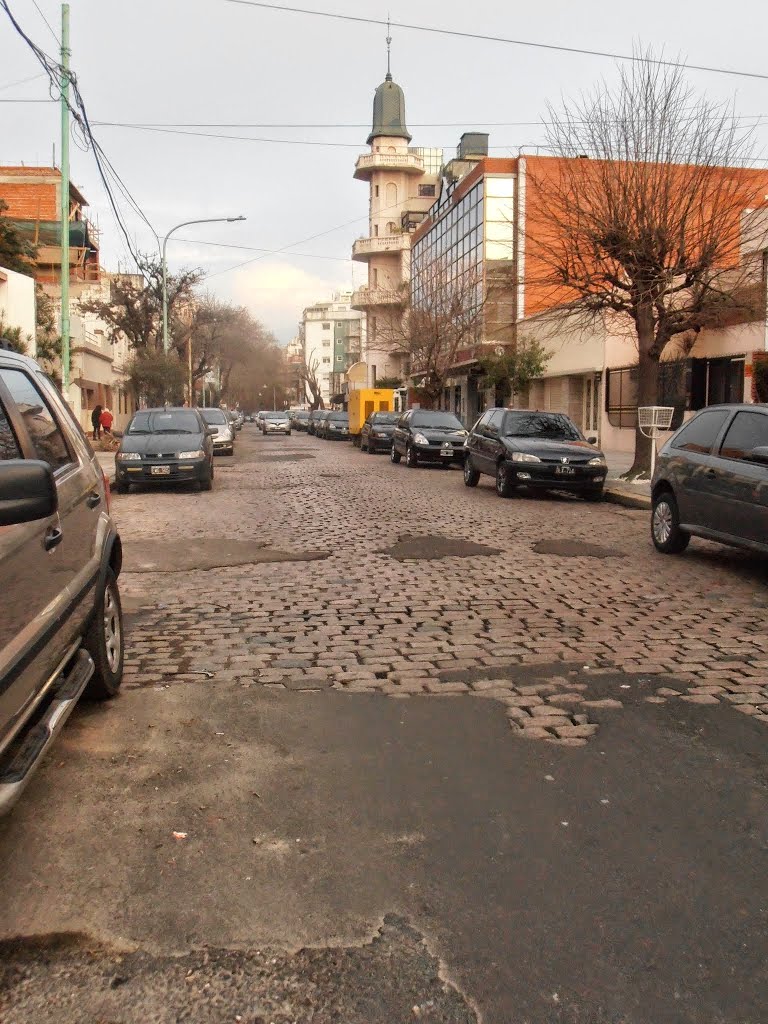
point(96, 422)
point(105, 420)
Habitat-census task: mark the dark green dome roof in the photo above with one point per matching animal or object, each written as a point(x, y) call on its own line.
point(389, 112)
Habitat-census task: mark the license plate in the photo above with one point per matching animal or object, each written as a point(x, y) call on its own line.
point(447, 453)
point(564, 470)
point(160, 471)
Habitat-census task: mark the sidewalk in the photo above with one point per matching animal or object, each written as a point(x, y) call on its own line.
point(623, 492)
point(107, 463)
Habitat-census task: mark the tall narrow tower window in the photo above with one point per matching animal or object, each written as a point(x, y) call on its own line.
point(391, 193)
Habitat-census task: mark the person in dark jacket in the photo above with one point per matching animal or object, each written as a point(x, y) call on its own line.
point(96, 422)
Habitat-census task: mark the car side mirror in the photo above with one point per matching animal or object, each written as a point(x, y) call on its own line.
point(760, 454)
point(591, 440)
point(27, 491)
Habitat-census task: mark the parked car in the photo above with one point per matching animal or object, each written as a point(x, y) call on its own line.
point(711, 480)
point(424, 435)
point(260, 417)
point(224, 438)
point(164, 446)
point(377, 431)
point(299, 419)
point(540, 450)
point(61, 627)
point(315, 418)
point(275, 423)
point(334, 426)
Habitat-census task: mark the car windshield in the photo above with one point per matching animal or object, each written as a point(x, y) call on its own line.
point(541, 424)
point(172, 422)
point(276, 415)
point(385, 417)
point(340, 417)
point(300, 415)
point(213, 416)
point(437, 421)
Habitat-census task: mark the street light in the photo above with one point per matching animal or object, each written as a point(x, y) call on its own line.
point(185, 224)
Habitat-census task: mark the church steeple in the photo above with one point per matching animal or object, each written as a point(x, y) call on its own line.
point(389, 106)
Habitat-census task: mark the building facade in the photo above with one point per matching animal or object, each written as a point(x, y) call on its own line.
point(17, 306)
point(331, 334)
point(97, 366)
point(403, 184)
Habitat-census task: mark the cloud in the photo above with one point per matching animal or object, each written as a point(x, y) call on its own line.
point(276, 292)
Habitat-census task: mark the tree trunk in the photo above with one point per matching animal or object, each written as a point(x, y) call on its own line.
point(647, 388)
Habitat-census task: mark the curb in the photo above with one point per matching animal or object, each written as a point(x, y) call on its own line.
point(627, 499)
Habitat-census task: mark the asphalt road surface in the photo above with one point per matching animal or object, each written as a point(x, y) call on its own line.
point(390, 749)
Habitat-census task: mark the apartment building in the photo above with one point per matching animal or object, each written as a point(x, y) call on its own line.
point(332, 335)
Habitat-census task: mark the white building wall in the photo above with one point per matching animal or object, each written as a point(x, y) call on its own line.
point(17, 305)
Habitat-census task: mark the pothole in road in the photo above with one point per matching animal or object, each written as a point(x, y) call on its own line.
point(431, 546)
point(285, 458)
point(575, 549)
point(183, 556)
point(70, 978)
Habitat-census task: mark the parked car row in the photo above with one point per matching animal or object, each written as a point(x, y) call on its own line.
point(331, 424)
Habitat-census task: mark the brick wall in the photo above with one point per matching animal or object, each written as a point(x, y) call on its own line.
point(30, 200)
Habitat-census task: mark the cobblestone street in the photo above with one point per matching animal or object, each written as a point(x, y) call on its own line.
point(392, 749)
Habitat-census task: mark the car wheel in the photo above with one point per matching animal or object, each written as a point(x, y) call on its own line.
point(411, 457)
point(288, 433)
point(371, 449)
point(207, 484)
point(394, 455)
point(121, 488)
point(363, 445)
point(471, 475)
point(504, 486)
point(104, 642)
point(595, 494)
point(665, 525)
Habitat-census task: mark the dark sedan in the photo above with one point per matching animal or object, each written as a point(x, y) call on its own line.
point(376, 435)
point(164, 446)
point(424, 435)
point(298, 419)
point(540, 450)
point(712, 481)
point(334, 426)
point(315, 420)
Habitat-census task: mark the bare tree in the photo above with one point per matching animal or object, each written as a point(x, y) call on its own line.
point(444, 315)
point(645, 218)
point(308, 375)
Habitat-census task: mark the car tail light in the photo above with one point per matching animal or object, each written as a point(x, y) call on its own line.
point(107, 489)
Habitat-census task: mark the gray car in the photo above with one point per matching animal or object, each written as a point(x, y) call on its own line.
point(276, 423)
point(61, 626)
point(711, 481)
point(224, 438)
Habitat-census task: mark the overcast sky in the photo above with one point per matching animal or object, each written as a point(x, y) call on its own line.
point(182, 62)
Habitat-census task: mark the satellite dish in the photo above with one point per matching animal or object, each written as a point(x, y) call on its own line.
point(357, 373)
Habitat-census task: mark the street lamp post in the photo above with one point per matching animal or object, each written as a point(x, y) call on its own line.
point(185, 224)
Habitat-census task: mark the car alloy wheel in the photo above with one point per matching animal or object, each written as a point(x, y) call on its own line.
point(394, 454)
point(471, 475)
point(666, 533)
point(411, 458)
point(504, 486)
point(104, 642)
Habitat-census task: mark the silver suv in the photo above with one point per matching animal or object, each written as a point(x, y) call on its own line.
point(61, 629)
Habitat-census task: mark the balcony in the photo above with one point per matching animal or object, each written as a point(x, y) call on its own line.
point(364, 248)
point(368, 298)
point(370, 162)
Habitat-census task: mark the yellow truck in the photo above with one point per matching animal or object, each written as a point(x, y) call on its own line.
point(362, 403)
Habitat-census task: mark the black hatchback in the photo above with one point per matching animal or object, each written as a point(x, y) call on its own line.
point(426, 435)
point(541, 450)
point(711, 481)
point(377, 432)
point(164, 446)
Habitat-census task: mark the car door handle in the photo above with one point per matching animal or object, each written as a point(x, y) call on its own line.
point(53, 537)
point(93, 499)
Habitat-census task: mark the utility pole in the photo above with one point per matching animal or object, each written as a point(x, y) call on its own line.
point(65, 324)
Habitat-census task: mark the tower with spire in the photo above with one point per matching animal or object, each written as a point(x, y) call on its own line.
point(403, 183)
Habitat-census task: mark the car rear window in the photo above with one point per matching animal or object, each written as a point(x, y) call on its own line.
point(214, 416)
point(438, 420)
point(701, 433)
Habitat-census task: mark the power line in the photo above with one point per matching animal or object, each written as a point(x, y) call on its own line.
point(21, 81)
point(435, 30)
point(39, 11)
point(267, 252)
point(234, 138)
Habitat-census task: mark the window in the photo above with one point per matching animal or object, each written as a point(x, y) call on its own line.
point(376, 191)
point(749, 430)
point(700, 434)
point(44, 431)
point(326, 327)
point(426, 190)
point(9, 446)
point(391, 194)
point(326, 342)
point(621, 397)
point(326, 359)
